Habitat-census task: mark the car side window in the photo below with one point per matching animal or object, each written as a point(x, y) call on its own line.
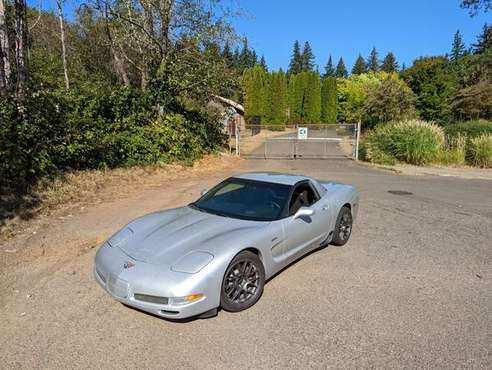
point(302, 196)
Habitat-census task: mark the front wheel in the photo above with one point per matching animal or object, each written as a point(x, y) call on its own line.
point(243, 282)
point(343, 227)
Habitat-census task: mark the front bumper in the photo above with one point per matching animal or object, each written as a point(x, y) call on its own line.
point(123, 283)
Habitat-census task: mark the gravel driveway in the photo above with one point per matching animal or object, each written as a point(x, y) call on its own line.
point(412, 288)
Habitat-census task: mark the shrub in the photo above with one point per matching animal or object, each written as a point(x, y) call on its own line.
point(480, 151)
point(49, 133)
point(454, 152)
point(470, 129)
point(412, 141)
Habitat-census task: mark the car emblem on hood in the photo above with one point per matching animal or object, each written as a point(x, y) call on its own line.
point(128, 265)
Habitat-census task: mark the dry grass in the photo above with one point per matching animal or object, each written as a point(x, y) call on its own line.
point(83, 188)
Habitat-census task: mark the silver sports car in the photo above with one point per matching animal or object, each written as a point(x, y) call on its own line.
point(220, 250)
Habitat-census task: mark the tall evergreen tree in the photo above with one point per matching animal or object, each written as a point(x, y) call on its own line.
point(458, 50)
point(307, 57)
point(227, 54)
point(329, 100)
point(254, 86)
point(373, 61)
point(236, 57)
point(389, 63)
point(296, 61)
point(484, 40)
point(341, 71)
point(297, 86)
point(312, 98)
point(276, 106)
point(329, 69)
point(263, 63)
point(359, 66)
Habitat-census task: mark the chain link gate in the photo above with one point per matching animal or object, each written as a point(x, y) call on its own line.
point(298, 141)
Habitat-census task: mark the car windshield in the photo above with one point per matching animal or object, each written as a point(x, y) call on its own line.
point(245, 199)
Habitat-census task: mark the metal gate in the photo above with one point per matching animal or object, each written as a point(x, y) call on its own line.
point(298, 141)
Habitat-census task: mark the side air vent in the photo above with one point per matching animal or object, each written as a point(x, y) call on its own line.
point(151, 298)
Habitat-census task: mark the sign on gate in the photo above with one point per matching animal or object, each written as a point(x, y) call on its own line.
point(302, 133)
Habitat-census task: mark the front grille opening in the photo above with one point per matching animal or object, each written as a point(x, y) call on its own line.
point(166, 312)
point(151, 298)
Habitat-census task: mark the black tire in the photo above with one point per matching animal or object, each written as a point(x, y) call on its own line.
point(343, 227)
point(243, 282)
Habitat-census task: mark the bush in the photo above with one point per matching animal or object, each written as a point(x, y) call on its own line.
point(412, 141)
point(49, 133)
point(454, 152)
point(469, 129)
point(479, 152)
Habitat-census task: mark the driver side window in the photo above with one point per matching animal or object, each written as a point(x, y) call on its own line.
point(303, 196)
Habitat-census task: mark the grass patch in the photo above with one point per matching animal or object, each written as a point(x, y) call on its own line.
point(479, 152)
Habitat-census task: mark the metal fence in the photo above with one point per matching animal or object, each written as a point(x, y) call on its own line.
point(297, 141)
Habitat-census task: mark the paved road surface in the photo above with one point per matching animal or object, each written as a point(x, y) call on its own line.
point(412, 289)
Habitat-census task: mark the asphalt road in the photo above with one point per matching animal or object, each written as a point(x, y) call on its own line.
point(412, 289)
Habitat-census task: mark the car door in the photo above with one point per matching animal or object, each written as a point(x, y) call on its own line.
point(307, 232)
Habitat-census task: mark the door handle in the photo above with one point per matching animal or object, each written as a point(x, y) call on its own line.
point(325, 207)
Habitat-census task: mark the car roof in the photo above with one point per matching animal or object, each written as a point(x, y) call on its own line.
point(275, 177)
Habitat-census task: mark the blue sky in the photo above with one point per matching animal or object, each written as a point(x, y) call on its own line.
point(409, 28)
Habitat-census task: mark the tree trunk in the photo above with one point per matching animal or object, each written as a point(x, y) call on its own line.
point(21, 47)
point(64, 50)
point(4, 51)
point(117, 62)
point(165, 9)
point(149, 29)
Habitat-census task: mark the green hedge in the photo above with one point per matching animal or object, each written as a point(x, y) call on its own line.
point(51, 133)
point(469, 129)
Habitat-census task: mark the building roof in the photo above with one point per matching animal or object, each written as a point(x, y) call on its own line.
point(230, 102)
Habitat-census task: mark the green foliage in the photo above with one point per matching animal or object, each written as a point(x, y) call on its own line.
point(254, 90)
point(312, 98)
point(352, 96)
point(329, 100)
point(480, 151)
point(341, 71)
point(50, 133)
point(307, 57)
point(413, 141)
point(329, 69)
point(430, 80)
point(297, 86)
point(373, 61)
point(359, 66)
point(484, 40)
point(469, 129)
point(454, 151)
point(390, 65)
point(276, 99)
point(296, 64)
point(458, 49)
point(393, 100)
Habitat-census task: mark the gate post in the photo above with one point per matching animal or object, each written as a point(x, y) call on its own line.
point(237, 140)
point(357, 142)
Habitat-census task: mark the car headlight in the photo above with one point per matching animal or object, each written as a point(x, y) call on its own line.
point(120, 237)
point(192, 262)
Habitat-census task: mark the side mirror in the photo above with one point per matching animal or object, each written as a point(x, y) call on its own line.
point(303, 211)
point(204, 191)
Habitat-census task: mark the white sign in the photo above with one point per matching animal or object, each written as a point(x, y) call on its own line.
point(302, 133)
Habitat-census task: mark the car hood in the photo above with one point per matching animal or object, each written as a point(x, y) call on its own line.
point(162, 238)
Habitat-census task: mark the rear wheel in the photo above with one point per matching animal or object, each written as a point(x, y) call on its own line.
point(343, 227)
point(243, 282)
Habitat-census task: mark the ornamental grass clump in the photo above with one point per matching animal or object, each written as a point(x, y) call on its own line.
point(479, 151)
point(454, 152)
point(410, 141)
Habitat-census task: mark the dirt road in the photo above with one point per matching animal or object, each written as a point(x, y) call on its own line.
point(413, 287)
